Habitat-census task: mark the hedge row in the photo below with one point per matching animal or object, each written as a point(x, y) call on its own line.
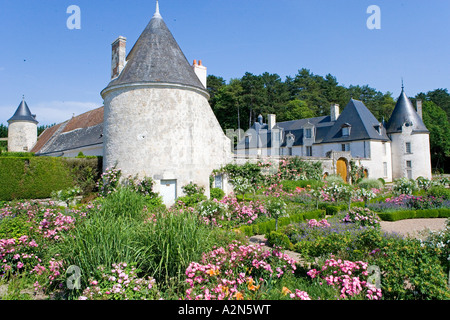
point(32, 177)
point(267, 226)
point(414, 214)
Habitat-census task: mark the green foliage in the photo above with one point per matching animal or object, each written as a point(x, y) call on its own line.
point(216, 193)
point(193, 189)
point(86, 172)
point(367, 183)
point(410, 271)
point(404, 186)
point(439, 192)
point(334, 179)
point(267, 226)
point(291, 185)
point(14, 227)
point(411, 214)
point(32, 177)
point(280, 240)
point(66, 195)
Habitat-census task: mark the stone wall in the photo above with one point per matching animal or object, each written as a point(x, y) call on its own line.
point(22, 136)
point(167, 132)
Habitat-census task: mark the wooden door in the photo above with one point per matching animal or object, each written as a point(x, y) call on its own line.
point(341, 168)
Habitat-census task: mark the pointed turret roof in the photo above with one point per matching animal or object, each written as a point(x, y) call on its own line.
point(23, 113)
point(156, 57)
point(404, 112)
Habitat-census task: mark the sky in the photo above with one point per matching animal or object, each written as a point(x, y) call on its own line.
point(61, 70)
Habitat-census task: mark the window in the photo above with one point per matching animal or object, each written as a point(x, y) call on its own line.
point(408, 147)
point(409, 164)
point(385, 169)
point(309, 151)
point(308, 133)
point(345, 147)
point(384, 148)
point(345, 131)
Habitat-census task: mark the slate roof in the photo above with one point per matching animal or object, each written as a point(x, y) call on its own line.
point(23, 113)
point(362, 122)
point(404, 112)
point(80, 131)
point(156, 57)
point(364, 126)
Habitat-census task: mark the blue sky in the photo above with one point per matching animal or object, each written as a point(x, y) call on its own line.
point(61, 71)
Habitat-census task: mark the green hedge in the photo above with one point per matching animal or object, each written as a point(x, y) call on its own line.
point(415, 214)
point(267, 226)
point(32, 177)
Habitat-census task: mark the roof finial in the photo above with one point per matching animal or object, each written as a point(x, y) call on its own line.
point(403, 87)
point(157, 14)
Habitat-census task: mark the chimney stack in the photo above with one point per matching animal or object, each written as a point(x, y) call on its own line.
point(419, 108)
point(201, 72)
point(118, 56)
point(334, 112)
point(271, 121)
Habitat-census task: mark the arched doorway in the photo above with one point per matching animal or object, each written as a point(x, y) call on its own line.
point(341, 168)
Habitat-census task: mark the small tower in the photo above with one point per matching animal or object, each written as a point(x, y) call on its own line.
point(22, 129)
point(410, 138)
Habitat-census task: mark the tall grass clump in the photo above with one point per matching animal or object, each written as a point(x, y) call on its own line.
point(173, 240)
point(110, 233)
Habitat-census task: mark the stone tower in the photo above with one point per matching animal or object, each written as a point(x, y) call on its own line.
point(157, 119)
point(22, 129)
point(410, 138)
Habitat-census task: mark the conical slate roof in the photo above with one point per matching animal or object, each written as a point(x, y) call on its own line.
point(404, 112)
point(156, 57)
point(23, 113)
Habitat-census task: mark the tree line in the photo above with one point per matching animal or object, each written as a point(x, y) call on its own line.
point(238, 103)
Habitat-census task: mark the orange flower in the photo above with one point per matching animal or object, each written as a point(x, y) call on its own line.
point(251, 286)
point(212, 272)
point(239, 296)
point(285, 291)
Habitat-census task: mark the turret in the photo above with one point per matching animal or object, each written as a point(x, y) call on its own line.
point(157, 120)
point(22, 129)
point(410, 138)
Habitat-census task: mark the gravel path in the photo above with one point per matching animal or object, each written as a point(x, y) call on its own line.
point(413, 227)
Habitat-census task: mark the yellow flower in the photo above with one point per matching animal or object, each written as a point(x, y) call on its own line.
point(285, 291)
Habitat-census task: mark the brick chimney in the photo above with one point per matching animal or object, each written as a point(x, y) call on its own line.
point(334, 112)
point(419, 108)
point(200, 71)
point(118, 56)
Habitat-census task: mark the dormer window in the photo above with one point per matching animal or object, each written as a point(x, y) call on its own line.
point(379, 128)
point(346, 130)
point(308, 133)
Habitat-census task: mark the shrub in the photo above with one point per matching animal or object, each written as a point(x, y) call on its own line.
point(368, 184)
point(334, 178)
point(192, 189)
point(32, 177)
point(121, 283)
point(216, 193)
point(279, 239)
point(362, 217)
point(14, 227)
point(404, 186)
point(439, 191)
point(410, 270)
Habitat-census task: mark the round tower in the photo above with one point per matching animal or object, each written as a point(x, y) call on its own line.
point(157, 119)
point(411, 157)
point(22, 129)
